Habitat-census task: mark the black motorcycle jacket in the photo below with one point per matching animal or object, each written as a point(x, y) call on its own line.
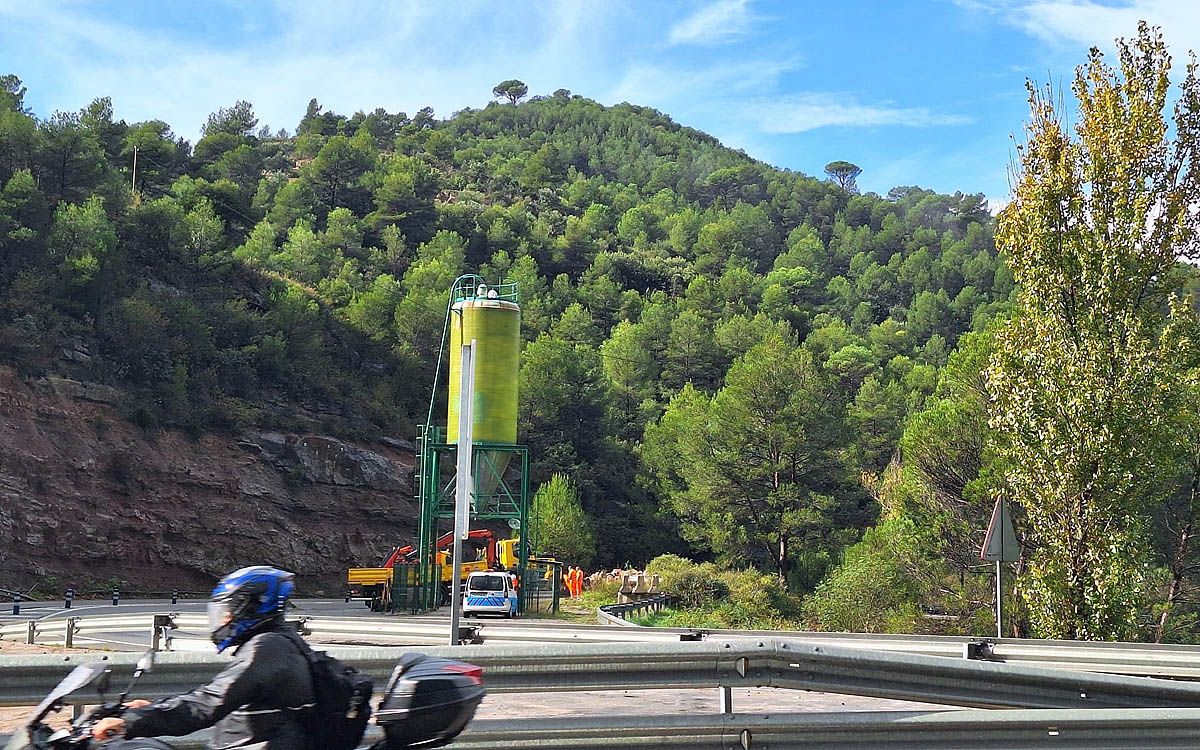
point(255, 703)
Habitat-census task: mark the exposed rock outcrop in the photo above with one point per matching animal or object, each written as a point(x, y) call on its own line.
point(86, 497)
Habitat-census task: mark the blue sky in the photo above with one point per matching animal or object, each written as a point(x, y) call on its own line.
point(916, 92)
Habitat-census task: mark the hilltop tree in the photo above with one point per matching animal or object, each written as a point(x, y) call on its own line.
point(1083, 382)
point(336, 173)
point(238, 120)
point(512, 89)
point(73, 163)
point(12, 94)
point(844, 174)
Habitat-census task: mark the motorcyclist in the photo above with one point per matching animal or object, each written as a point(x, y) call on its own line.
point(258, 701)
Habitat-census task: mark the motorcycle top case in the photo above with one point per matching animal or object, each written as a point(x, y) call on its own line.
point(428, 701)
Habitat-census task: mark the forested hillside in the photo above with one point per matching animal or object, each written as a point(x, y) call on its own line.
point(720, 355)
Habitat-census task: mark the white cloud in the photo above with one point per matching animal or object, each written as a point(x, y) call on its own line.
point(718, 23)
point(801, 112)
point(662, 86)
point(1081, 24)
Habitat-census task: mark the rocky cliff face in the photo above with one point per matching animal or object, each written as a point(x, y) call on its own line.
point(87, 498)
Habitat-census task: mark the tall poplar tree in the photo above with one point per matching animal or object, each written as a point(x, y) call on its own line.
point(1083, 385)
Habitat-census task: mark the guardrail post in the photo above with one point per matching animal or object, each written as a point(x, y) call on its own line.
point(116, 596)
point(16, 604)
point(68, 597)
point(175, 596)
point(69, 632)
point(31, 632)
point(159, 640)
point(726, 699)
point(977, 650)
point(469, 634)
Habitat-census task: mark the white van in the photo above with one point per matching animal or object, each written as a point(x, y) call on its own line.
point(491, 593)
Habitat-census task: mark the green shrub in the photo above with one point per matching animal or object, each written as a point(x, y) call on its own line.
point(871, 591)
point(606, 588)
point(689, 584)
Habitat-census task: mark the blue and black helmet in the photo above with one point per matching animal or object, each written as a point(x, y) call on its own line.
point(246, 599)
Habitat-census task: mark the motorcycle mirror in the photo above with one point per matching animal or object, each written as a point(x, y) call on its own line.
point(143, 665)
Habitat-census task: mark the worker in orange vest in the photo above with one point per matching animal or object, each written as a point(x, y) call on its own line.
point(578, 582)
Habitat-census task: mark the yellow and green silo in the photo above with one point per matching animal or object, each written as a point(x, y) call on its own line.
point(491, 316)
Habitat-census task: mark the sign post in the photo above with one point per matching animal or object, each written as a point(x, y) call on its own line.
point(464, 483)
point(1000, 545)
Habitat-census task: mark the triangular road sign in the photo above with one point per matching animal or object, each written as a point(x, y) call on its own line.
point(1000, 543)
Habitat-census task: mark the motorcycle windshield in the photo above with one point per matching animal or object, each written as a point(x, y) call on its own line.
point(19, 740)
point(78, 677)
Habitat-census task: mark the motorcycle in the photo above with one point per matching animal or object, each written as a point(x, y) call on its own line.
point(426, 703)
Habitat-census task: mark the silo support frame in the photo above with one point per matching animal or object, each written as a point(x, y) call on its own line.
point(507, 501)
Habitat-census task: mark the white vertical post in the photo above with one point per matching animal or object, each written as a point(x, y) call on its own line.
point(464, 483)
point(1000, 581)
point(999, 600)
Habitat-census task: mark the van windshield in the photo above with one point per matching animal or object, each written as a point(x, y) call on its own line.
point(486, 583)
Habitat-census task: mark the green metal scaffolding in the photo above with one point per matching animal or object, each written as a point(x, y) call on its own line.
point(508, 500)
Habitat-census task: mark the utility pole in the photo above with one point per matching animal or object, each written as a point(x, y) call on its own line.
point(133, 186)
point(464, 483)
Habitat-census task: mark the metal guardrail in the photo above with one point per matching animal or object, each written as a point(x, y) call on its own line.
point(1146, 729)
point(618, 614)
point(777, 663)
point(1164, 713)
point(1145, 659)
